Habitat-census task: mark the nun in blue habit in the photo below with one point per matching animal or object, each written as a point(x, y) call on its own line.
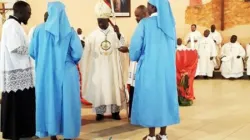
point(153, 46)
point(56, 49)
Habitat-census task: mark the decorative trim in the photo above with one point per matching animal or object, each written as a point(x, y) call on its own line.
point(18, 79)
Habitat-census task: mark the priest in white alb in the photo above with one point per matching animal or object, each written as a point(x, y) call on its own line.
point(232, 55)
point(217, 38)
point(207, 53)
point(103, 84)
point(248, 59)
point(193, 37)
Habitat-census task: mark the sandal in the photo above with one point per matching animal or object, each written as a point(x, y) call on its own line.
point(161, 137)
point(149, 138)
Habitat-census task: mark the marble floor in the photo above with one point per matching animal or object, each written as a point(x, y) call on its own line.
point(221, 111)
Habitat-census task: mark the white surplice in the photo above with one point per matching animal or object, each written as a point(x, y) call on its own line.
point(206, 49)
point(248, 60)
point(101, 70)
point(15, 66)
point(192, 36)
point(218, 38)
point(232, 67)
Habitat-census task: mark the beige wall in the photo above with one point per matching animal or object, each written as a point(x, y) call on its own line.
point(81, 14)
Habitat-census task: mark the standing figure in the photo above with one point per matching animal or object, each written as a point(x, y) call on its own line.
point(153, 46)
point(232, 54)
point(16, 77)
point(216, 36)
point(102, 80)
point(56, 49)
point(207, 53)
point(193, 37)
point(140, 13)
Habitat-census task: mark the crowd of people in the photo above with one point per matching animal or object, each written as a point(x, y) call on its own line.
point(230, 58)
point(40, 72)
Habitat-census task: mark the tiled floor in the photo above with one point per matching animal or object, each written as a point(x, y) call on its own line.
point(221, 112)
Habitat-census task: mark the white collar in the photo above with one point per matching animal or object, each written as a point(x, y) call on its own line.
point(154, 14)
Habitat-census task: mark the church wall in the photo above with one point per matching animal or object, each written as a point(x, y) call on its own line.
point(236, 17)
point(81, 14)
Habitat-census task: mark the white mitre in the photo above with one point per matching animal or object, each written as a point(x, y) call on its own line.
point(102, 10)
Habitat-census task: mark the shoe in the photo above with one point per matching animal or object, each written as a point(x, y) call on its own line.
point(161, 137)
point(99, 117)
point(149, 138)
point(53, 138)
point(116, 116)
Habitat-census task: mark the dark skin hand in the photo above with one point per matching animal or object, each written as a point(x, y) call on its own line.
point(238, 57)
point(117, 30)
point(211, 58)
point(215, 41)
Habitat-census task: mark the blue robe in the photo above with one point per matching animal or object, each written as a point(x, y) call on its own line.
point(58, 107)
point(155, 102)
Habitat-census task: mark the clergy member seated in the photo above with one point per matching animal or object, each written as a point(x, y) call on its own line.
point(232, 54)
point(247, 59)
point(180, 46)
point(207, 52)
point(103, 85)
point(193, 37)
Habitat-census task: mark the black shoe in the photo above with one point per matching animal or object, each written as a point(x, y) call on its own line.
point(53, 138)
point(116, 116)
point(99, 117)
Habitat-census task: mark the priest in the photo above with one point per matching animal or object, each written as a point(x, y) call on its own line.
point(102, 80)
point(217, 38)
point(16, 78)
point(193, 37)
point(232, 54)
point(207, 54)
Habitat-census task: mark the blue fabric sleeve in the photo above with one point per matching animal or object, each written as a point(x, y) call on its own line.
point(137, 42)
point(76, 47)
point(33, 45)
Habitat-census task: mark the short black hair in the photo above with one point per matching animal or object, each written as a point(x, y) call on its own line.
point(19, 6)
point(194, 25)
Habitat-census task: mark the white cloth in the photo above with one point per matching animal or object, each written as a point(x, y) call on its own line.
point(181, 47)
point(217, 37)
point(131, 73)
point(102, 10)
point(206, 49)
point(15, 66)
point(248, 60)
point(232, 67)
point(192, 36)
point(102, 74)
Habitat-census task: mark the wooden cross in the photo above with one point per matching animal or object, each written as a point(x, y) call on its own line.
point(3, 11)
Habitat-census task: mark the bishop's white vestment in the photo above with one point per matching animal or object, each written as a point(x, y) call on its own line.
point(206, 49)
point(232, 66)
point(101, 70)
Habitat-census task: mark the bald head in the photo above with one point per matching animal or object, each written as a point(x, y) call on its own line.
point(141, 12)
